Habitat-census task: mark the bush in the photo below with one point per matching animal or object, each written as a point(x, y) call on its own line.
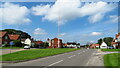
point(17, 43)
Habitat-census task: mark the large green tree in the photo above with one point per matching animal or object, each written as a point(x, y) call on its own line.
point(108, 40)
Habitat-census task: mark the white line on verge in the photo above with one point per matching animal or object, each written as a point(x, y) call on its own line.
point(55, 63)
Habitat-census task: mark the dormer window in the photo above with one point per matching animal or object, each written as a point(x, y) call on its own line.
point(6, 37)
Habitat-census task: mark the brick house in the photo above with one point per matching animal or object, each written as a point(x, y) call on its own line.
point(55, 43)
point(94, 46)
point(4, 39)
point(14, 37)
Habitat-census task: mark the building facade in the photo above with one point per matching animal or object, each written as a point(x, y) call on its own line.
point(55, 43)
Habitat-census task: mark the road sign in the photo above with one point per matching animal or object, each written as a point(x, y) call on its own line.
point(11, 43)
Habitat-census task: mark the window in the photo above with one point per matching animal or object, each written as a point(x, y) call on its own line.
point(52, 41)
point(6, 37)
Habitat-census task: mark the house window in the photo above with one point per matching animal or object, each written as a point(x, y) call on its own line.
point(52, 41)
point(6, 37)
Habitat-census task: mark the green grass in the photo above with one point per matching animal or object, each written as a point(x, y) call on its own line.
point(11, 47)
point(110, 49)
point(34, 53)
point(112, 60)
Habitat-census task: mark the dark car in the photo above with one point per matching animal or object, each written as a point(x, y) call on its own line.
point(110, 47)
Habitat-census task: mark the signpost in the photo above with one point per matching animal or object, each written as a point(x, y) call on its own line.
point(11, 43)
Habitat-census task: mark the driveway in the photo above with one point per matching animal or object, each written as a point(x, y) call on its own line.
point(6, 51)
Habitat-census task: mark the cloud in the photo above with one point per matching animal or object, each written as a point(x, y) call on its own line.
point(14, 14)
point(39, 31)
point(62, 34)
point(96, 33)
point(66, 10)
point(113, 18)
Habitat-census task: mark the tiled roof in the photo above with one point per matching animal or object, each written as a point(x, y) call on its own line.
point(95, 44)
point(2, 33)
point(39, 42)
point(13, 37)
point(117, 35)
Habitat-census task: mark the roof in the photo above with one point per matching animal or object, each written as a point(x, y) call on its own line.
point(96, 44)
point(39, 42)
point(13, 36)
point(117, 35)
point(2, 33)
point(56, 39)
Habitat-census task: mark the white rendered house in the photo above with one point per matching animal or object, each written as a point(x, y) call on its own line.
point(103, 45)
point(28, 42)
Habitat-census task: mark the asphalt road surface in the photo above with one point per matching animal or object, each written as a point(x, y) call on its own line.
point(76, 58)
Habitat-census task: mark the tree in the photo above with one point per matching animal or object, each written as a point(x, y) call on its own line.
point(17, 43)
point(108, 40)
point(99, 41)
point(46, 44)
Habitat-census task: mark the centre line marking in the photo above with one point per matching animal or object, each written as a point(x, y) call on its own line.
point(55, 63)
point(78, 53)
point(71, 56)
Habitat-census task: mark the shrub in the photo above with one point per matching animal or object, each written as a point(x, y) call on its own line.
point(17, 43)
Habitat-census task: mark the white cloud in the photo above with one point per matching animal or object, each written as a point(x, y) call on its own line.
point(66, 10)
point(39, 31)
point(95, 18)
point(62, 34)
point(96, 33)
point(14, 14)
point(113, 18)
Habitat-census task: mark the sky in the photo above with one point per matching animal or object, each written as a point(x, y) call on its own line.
point(78, 21)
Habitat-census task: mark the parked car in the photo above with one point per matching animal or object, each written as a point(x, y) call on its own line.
point(110, 47)
point(26, 47)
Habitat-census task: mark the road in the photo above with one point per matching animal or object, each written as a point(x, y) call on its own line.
point(76, 58)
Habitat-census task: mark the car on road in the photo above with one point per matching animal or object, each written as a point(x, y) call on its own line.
point(26, 47)
point(110, 47)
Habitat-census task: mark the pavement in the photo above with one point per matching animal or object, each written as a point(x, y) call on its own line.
point(82, 57)
point(6, 51)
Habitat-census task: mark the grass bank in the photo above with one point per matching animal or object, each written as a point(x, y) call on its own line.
point(110, 49)
point(112, 60)
point(34, 53)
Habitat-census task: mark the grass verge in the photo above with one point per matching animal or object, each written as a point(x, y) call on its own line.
point(110, 49)
point(34, 53)
point(112, 60)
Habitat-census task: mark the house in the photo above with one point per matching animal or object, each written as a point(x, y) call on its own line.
point(94, 46)
point(115, 42)
point(39, 44)
point(14, 37)
point(4, 39)
point(28, 42)
point(72, 45)
point(103, 45)
point(55, 43)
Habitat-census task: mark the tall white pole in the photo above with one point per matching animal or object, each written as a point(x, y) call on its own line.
point(59, 32)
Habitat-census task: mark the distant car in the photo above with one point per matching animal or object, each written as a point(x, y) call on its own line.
point(110, 47)
point(26, 47)
point(87, 48)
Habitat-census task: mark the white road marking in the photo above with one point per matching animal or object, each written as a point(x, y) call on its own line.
point(71, 56)
point(78, 53)
point(55, 63)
